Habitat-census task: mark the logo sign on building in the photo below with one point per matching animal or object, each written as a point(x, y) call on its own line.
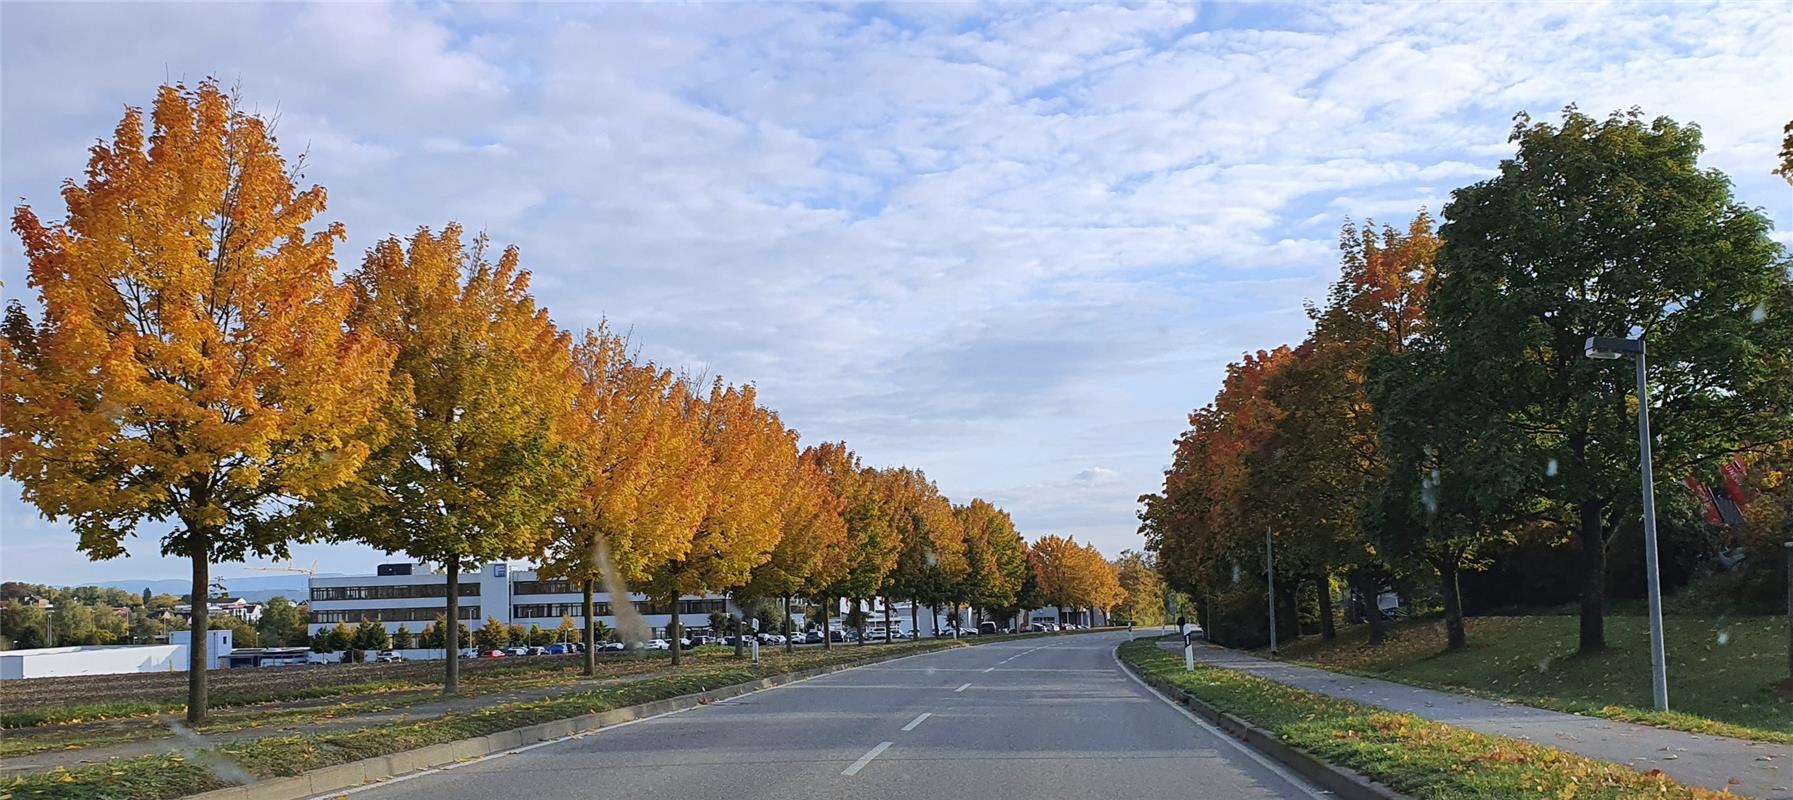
point(498, 570)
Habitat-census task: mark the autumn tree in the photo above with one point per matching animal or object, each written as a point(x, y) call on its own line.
point(750, 453)
point(643, 484)
point(193, 365)
point(931, 552)
point(484, 400)
point(1610, 228)
point(1143, 587)
point(872, 546)
point(811, 553)
point(994, 557)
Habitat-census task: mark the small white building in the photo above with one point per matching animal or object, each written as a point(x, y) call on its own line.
point(52, 662)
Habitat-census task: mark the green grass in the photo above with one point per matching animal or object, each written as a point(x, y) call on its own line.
point(1721, 671)
point(1421, 758)
point(169, 776)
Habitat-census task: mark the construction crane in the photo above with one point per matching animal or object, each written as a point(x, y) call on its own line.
point(311, 569)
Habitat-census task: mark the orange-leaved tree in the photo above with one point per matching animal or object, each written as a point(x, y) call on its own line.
point(483, 411)
point(871, 545)
point(812, 545)
point(750, 454)
point(644, 483)
point(193, 364)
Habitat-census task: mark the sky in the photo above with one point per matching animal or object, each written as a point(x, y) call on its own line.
point(1010, 245)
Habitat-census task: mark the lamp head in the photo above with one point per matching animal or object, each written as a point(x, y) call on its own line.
point(1607, 348)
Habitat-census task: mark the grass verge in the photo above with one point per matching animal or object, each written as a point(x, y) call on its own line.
point(1721, 670)
point(176, 775)
point(1407, 753)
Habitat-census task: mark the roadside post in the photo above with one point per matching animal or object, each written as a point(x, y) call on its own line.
point(1188, 646)
point(756, 643)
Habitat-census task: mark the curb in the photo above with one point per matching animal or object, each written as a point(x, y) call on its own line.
point(1341, 781)
point(342, 777)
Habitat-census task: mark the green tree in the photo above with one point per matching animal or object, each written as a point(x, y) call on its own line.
point(339, 638)
point(484, 393)
point(493, 635)
point(1610, 228)
point(24, 625)
point(372, 636)
point(1144, 588)
point(402, 639)
point(281, 623)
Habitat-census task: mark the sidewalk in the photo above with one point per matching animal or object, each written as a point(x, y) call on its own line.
point(1761, 769)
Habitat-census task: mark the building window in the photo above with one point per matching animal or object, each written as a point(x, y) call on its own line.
point(555, 586)
point(357, 615)
point(401, 592)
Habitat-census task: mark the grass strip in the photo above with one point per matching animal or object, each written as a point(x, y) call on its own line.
point(1410, 754)
point(176, 775)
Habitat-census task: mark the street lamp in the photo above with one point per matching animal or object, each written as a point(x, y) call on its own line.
point(1609, 348)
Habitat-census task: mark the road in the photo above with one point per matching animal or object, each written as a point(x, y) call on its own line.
point(1016, 720)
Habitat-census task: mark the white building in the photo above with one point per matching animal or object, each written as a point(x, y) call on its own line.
point(413, 595)
point(238, 608)
point(50, 662)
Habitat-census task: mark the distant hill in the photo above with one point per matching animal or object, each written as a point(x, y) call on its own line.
point(258, 587)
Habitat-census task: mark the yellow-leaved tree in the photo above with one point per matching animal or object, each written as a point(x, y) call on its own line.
point(193, 365)
point(483, 417)
point(871, 547)
point(644, 482)
point(750, 453)
point(811, 553)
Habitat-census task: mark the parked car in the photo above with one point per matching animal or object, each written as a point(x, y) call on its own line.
point(702, 639)
point(559, 649)
point(989, 628)
point(613, 646)
point(658, 644)
point(388, 657)
point(492, 654)
point(516, 650)
point(814, 637)
point(837, 635)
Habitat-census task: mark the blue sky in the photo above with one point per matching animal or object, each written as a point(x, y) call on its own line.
point(1011, 245)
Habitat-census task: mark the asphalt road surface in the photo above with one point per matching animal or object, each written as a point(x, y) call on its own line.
point(1018, 720)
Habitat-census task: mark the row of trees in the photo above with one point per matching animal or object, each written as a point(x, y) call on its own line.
point(198, 361)
point(1441, 415)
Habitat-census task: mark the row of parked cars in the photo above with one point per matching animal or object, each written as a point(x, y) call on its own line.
point(876, 634)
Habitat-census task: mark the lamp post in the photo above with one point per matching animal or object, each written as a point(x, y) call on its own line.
point(1609, 348)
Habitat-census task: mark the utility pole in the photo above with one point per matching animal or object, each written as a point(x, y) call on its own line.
point(1270, 575)
point(1789, 546)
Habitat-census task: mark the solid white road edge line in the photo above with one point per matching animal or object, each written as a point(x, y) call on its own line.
point(962, 687)
point(583, 734)
point(866, 759)
point(917, 720)
point(1279, 770)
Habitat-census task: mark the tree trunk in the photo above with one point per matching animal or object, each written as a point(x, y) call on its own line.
point(1593, 580)
point(196, 651)
point(887, 637)
point(1367, 588)
point(451, 638)
point(861, 617)
point(827, 635)
point(1455, 638)
point(740, 624)
point(672, 633)
point(915, 617)
point(790, 632)
point(1328, 630)
point(591, 629)
point(935, 610)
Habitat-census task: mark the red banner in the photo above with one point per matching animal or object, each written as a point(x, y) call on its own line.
point(1704, 496)
point(1734, 473)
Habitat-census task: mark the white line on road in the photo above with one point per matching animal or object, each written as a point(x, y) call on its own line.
point(992, 669)
point(962, 687)
point(866, 759)
point(1279, 770)
point(917, 720)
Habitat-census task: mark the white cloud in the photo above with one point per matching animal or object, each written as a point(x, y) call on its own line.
point(998, 243)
